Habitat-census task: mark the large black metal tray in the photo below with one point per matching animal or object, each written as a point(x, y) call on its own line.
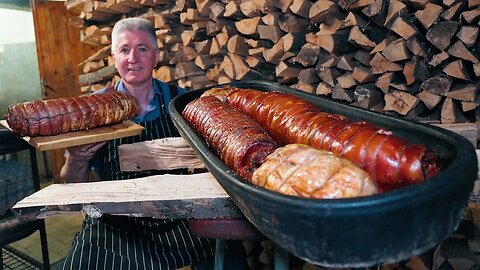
point(357, 232)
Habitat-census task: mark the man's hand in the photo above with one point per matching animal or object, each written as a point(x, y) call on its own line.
point(77, 165)
point(84, 152)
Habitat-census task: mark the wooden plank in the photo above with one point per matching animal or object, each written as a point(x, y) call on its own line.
point(99, 134)
point(158, 154)
point(467, 130)
point(194, 196)
point(475, 195)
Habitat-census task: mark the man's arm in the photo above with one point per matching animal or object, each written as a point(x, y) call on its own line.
point(77, 165)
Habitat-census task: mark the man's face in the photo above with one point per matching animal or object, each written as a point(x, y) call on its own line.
point(134, 57)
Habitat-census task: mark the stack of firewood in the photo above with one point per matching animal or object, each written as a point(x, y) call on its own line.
point(414, 58)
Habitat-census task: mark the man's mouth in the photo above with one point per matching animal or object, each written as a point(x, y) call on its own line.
point(134, 69)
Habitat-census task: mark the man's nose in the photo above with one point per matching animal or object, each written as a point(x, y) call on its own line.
point(132, 56)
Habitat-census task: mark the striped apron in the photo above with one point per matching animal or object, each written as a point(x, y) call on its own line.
point(119, 242)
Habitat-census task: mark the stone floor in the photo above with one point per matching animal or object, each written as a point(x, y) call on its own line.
point(60, 233)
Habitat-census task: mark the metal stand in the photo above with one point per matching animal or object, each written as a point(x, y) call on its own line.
point(9, 143)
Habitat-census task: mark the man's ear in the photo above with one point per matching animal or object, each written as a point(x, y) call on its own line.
point(157, 57)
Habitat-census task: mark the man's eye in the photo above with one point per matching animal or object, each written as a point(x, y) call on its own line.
point(124, 50)
point(142, 49)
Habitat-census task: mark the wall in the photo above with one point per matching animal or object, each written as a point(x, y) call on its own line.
point(19, 77)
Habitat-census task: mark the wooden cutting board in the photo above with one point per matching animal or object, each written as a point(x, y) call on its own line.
point(99, 134)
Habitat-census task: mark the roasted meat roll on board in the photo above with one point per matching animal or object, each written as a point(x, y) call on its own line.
point(390, 160)
point(303, 171)
point(62, 115)
point(235, 138)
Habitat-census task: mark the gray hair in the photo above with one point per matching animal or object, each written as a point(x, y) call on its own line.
point(131, 24)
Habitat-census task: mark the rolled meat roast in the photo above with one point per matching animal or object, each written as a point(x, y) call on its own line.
point(62, 115)
point(390, 160)
point(303, 171)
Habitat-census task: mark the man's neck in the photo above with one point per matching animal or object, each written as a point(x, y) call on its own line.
point(143, 93)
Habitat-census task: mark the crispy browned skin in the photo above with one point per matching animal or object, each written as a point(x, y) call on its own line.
point(235, 138)
point(391, 161)
point(304, 171)
point(61, 115)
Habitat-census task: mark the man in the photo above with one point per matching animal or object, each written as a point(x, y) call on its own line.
point(116, 242)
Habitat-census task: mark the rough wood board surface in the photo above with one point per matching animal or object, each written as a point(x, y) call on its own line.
point(160, 196)
point(160, 154)
point(120, 130)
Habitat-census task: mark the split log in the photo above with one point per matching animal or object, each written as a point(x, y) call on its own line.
point(451, 113)
point(468, 35)
point(332, 43)
point(396, 51)
point(400, 102)
point(93, 66)
point(206, 62)
point(438, 84)
point(217, 10)
point(440, 34)
point(380, 65)
point(403, 28)
point(342, 94)
point(305, 87)
point(429, 15)
point(323, 89)
point(464, 92)
point(293, 41)
point(395, 8)
point(357, 38)
point(328, 75)
point(308, 55)
point(346, 62)
point(377, 11)
point(274, 54)
point(268, 32)
point(102, 74)
point(346, 80)
point(429, 99)
point(326, 60)
point(248, 26)
point(448, 14)
point(415, 71)
point(384, 81)
point(322, 11)
point(186, 69)
point(308, 76)
point(301, 8)
point(354, 19)
point(366, 96)
point(363, 74)
point(237, 45)
point(285, 70)
point(438, 59)
point(457, 69)
point(459, 50)
point(290, 23)
point(416, 47)
point(165, 74)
